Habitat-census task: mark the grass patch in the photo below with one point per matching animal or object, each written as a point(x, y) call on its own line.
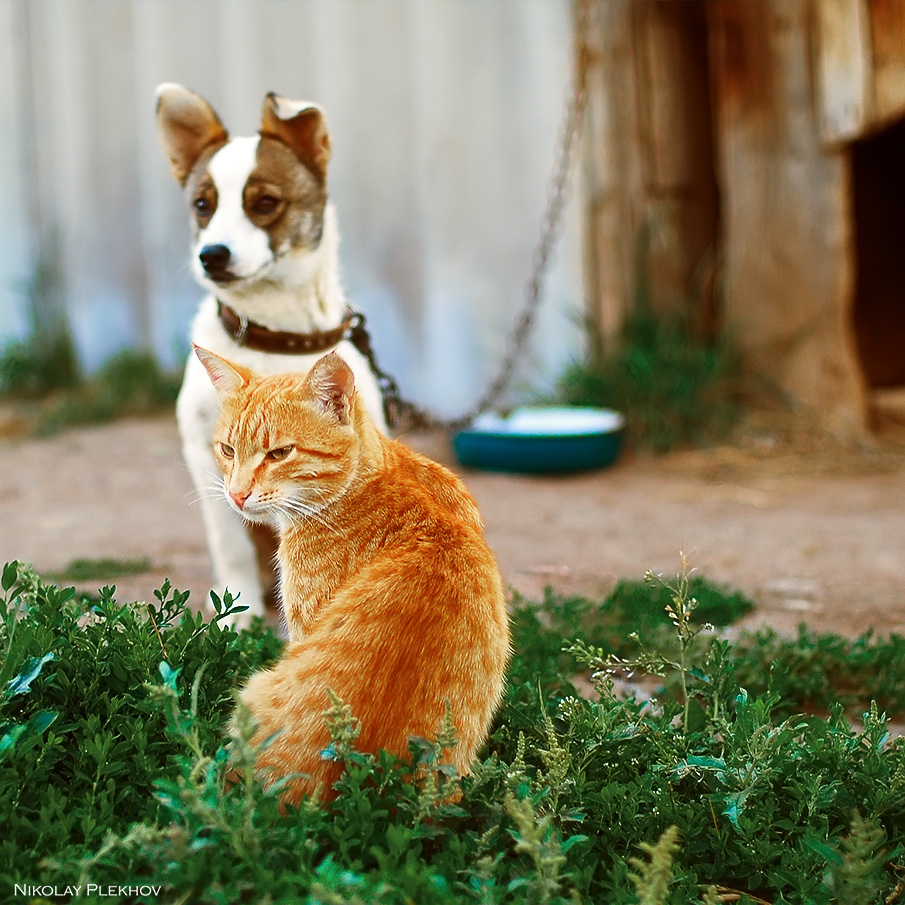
point(130, 383)
point(42, 377)
point(113, 765)
point(674, 388)
point(101, 569)
point(39, 366)
point(47, 361)
point(57, 396)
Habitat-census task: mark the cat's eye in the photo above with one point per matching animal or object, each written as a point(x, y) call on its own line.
point(278, 454)
point(227, 451)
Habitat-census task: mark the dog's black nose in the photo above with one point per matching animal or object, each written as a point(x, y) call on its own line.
point(214, 258)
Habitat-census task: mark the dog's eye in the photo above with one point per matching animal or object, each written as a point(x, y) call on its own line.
point(227, 451)
point(203, 206)
point(266, 204)
point(277, 455)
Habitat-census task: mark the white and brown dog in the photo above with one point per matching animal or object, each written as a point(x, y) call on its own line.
point(265, 247)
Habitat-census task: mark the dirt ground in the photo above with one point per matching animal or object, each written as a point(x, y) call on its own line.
point(813, 535)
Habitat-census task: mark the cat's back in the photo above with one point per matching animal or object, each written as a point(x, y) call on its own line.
point(416, 526)
point(429, 486)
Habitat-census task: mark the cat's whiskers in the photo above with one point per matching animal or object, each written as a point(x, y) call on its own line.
point(292, 507)
point(214, 490)
point(320, 496)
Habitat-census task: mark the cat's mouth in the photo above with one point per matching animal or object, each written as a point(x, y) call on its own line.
point(251, 510)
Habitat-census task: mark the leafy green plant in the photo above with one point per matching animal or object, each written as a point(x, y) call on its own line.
point(814, 672)
point(93, 745)
point(654, 874)
point(18, 736)
point(135, 780)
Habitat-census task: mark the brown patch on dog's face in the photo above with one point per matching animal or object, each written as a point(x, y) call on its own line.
point(252, 203)
point(284, 198)
point(280, 197)
point(201, 192)
point(252, 200)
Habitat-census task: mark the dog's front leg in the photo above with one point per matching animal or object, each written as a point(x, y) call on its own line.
point(233, 553)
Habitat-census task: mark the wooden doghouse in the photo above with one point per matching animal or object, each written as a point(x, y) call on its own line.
point(747, 157)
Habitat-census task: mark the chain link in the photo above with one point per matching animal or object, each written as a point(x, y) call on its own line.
point(396, 410)
point(401, 412)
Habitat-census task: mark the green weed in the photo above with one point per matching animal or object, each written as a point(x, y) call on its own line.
point(47, 361)
point(674, 388)
point(635, 609)
point(655, 873)
point(44, 373)
point(33, 368)
point(43, 377)
point(130, 383)
point(101, 569)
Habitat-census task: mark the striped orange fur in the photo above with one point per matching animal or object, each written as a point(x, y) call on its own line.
point(391, 596)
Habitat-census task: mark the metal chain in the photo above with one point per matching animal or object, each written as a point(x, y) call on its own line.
point(396, 410)
point(400, 411)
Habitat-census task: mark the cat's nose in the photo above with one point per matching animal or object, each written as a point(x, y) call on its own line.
point(240, 497)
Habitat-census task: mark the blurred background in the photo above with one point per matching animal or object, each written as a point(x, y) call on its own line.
point(729, 270)
point(445, 118)
point(736, 212)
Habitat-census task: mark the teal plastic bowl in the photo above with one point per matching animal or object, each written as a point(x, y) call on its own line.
point(542, 439)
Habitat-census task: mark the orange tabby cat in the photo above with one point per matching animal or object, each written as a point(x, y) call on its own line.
point(391, 596)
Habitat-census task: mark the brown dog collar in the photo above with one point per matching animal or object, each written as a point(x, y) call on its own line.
point(256, 336)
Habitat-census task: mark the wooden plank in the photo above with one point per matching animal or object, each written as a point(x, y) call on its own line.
point(681, 206)
point(786, 206)
point(663, 97)
point(887, 30)
point(614, 166)
point(843, 68)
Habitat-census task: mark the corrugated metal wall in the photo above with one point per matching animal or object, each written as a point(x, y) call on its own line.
point(445, 117)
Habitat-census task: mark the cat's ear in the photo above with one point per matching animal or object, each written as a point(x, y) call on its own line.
point(227, 378)
point(333, 386)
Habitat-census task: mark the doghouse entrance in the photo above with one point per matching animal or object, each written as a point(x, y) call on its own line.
point(879, 303)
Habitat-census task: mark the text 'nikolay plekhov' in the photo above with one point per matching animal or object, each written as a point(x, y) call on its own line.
point(91, 889)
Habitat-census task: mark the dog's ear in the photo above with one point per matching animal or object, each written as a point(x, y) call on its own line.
point(333, 386)
point(227, 378)
point(301, 126)
point(188, 126)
